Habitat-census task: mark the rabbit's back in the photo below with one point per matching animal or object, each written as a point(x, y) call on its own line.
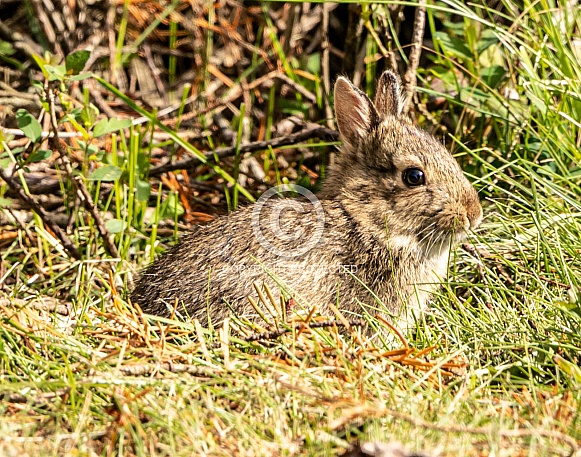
point(215, 267)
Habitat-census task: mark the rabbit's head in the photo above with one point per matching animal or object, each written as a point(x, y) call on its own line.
point(394, 178)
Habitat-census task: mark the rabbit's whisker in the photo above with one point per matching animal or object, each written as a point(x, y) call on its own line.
point(422, 233)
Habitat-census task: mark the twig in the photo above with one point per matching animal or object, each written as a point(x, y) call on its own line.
point(19, 102)
point(303, 135)
point(290, 21)
point(67, 243)
point(89, 204)
point(325, 64)
point(84, 195)
point(44, 304)
point(397, 17)
point(159, 136)
point(20, 42)
point(111, 34)
point(35, 398)
point(143, 369)
point(277, 333)
point(297, 87)
point(44, 19)
point(410, 78)
point(54, 438)
point(352, 38)
point(155, 73)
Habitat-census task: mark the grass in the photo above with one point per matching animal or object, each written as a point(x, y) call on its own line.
point(496, 364)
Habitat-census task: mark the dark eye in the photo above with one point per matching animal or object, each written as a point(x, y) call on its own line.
point(414, 177)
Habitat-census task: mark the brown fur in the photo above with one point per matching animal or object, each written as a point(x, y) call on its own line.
point(397, 237)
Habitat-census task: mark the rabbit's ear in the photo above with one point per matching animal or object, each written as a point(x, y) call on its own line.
point(388, 99)
point(356, 115)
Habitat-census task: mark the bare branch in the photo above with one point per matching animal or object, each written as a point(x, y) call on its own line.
point(410, 78)
point(303, 135)
point(67, 243)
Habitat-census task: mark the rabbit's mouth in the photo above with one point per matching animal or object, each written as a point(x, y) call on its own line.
point(461, 226)
point(460, 233)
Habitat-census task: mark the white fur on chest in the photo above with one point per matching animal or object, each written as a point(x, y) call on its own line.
point(422, 279)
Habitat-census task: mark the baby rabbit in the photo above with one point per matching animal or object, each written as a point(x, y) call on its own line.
point(393, 204)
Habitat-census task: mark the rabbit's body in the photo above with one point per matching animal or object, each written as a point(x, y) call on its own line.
point(393, 204)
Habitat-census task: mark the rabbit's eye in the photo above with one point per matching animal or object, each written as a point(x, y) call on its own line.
point(414, 177)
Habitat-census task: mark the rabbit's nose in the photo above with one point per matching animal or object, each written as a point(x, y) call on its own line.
point(472, 208)
point(474, 215)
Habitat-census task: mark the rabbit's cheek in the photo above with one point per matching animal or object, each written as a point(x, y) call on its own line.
point(402, 242)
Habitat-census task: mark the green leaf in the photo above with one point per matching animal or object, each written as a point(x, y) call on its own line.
point(143, 190)
point(6, 49)
point(106, 173)
point(105, 126)
point(572, 308)
point(80, 77)
point(89, 114)
point(456, 27)
point(76, 61)
point(487, 39)
point(89, 148)
point(55, 72)
point(78, 127)
point(5, 202)
point(39, 156)
point(41, 64)
point(115, 226)
point(569, 368)
point(5, 159)
point(29, 125)
point(471, 95)
point(493, 75)
point(38, 85)
point(172, 207)
point(455, 46)
point(314, 63)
